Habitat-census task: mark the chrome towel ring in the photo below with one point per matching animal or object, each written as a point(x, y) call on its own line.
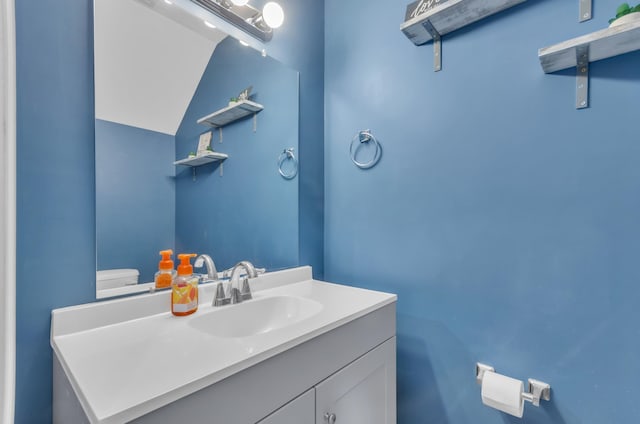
point(285, 156)
point(363, 137)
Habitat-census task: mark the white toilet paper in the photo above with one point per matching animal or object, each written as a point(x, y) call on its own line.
point(503, 393)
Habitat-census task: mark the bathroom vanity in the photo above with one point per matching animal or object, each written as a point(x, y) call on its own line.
point(300, 352)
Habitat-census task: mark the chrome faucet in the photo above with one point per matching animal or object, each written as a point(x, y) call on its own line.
point(237, 291)
point(212, 272)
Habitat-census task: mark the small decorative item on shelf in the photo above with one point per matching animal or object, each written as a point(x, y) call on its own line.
point(192, 155)
point(204, 143)
point(244, 95)
point(625, 14)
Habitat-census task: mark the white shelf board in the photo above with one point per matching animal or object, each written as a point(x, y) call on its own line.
point(602, 44)
point(202, 159)
point(452, 15)
point(230, 114)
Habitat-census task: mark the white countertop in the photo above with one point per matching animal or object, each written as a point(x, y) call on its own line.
point(127, 357)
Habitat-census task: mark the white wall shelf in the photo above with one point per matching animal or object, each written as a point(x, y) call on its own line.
point(202, 159)
point(230, 114)
point(447, 17)
point(579, 52)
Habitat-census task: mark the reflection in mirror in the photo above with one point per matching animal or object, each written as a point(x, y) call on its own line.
point(154, 79)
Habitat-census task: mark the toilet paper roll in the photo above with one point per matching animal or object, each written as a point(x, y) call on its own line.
point(503, 393)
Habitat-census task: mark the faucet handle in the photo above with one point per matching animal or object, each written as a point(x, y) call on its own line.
point(220, 299)
point(245, 292)
point(236, 297)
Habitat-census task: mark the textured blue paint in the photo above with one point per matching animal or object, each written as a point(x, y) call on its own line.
point(252, 212)
point(135, 197)
point(506, 220)
point(56, 224)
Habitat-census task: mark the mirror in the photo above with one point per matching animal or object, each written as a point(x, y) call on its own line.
point(157, 72)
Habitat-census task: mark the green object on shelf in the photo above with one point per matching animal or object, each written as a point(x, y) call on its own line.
point(623, 10)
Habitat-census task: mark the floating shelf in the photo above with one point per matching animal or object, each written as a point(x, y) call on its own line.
point(230, 114)
point(202, 159)
point(579, 52)
point(602, 44)
point(447, 17)
point(452, 15)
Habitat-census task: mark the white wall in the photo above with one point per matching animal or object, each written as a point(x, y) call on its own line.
point(144, 75)
point(7, 210)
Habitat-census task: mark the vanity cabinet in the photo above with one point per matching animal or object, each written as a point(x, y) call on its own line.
point(351, 370)
point(363, 392)
point(335, 366)
point(298, 411)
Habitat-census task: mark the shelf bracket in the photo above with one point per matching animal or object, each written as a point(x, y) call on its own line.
point(437, 45)
point(586, 10)
point(582, 77)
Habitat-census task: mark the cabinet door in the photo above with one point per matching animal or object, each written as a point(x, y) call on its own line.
point(364, 392)
point(301, 410)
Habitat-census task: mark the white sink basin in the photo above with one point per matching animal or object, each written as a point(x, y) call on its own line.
point(257, 316)
point(134, 340)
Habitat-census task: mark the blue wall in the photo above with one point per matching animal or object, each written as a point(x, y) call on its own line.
point(506, 221)
point(251, 212)
point(135, 178)
point(56, 262)
point(56, 169)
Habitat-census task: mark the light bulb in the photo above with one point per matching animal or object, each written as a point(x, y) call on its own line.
point(244, 43)
point(168, 1)
point(239, 2)
point(209, 24)
point(273, 14)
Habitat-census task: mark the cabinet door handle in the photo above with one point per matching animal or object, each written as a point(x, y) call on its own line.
point(329, 418)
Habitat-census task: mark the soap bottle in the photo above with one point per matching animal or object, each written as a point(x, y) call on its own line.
point(184, 290)
point(166, 274)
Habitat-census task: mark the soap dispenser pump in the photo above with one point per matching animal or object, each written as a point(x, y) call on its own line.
point(184, 292)
point(166, 274)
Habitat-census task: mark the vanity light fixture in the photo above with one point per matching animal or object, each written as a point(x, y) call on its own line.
point(273, 14)
point(240, 13)
point(209, 24)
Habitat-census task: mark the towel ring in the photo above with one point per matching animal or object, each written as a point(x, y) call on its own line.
point(364, 136)
point(287, 154)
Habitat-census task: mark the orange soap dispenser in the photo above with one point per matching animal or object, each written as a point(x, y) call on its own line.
point(166, 274)
point(184, 292)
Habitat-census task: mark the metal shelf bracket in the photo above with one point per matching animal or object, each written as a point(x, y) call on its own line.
point(582, 77)
point(437, 45)
point(586, 9)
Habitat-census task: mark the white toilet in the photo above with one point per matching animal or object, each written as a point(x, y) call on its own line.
point(114, 278)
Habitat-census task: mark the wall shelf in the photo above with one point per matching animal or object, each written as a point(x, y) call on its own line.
point(579, 52)
point(230, 114)
point(448, 17)
point(603, 44)
point(452, 15)
point(202, 159)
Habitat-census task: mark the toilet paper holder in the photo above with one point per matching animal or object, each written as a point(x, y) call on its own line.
point(536, 389)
